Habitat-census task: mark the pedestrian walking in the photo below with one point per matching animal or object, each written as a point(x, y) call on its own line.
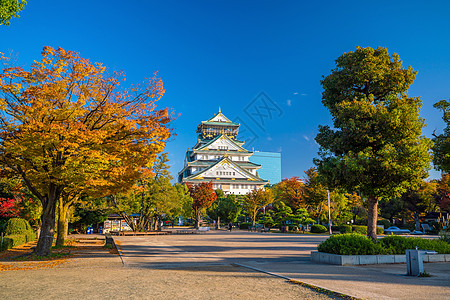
point(230, 226)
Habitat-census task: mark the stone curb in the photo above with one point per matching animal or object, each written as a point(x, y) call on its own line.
point(119, 251)
point(352, 260)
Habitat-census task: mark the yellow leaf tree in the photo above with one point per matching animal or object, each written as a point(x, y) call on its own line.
point(68, 127)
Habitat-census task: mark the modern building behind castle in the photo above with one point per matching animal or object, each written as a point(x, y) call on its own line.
point(218, 156)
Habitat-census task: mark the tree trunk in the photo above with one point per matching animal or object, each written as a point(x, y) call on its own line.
point(155, 223)
point(197, 218)
point(372, 218)
point(254, 217)
point(63, 209)
point(158, 220)
point(416, 220)
point(44, 244)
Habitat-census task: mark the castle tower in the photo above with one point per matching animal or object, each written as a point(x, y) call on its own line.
point(219, 157)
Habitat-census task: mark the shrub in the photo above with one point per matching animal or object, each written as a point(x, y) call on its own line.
point(245, 225)
point(345, 229)
point(317, 228)
point(13, 240)
point(380, 230)
point(359, 229)
point(17, 226)
point(10, 241)
point(335, 228)
point(398, 244)
point(444, 236)
point(351, 244)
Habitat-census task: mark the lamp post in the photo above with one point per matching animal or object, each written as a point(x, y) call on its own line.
point(329, 212)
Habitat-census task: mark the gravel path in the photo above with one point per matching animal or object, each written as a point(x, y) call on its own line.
point(100, 275)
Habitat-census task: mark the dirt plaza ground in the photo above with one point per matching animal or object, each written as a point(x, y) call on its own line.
point(98, 274)
point(217, 265)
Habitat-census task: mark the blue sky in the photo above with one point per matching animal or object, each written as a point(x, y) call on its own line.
point(225, 53)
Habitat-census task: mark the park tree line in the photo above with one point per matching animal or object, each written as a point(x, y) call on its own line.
point(74, 140)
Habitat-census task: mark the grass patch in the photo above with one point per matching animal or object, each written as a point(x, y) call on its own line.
point(35, 257)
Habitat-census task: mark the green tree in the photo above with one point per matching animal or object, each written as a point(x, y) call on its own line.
point(150, 199)
point(226, 208)
point(185, 200)
point(441, 147)
point(10, 9)
point(376, 146)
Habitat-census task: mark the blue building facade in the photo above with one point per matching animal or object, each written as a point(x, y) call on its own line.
point(271, 165)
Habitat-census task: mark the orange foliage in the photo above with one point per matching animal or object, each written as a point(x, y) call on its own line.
point(292, 192)
point(67, 127)
point(66, 123)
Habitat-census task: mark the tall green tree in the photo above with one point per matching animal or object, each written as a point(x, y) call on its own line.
point(10, 9)
point(376, 146)
point(150, 199)
point(441, 147)
point(225, 208)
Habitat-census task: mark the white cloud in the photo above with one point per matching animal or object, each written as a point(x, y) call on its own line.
point(295, 93)
point(306, 138)
point(269, 138)
point(304, 95)
point(289, 102)
point(280, 149)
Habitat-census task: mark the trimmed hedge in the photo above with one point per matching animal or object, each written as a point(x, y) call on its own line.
point(399, 244)
point(317, 228)
point(18, 232)
point(345, 229)
point(13, 240)
point(350, 244)
point(17, 226)
point(357, 244)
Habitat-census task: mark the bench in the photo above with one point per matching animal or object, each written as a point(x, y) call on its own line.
point(259, 228)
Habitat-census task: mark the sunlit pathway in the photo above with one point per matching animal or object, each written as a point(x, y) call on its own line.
point(287, 255)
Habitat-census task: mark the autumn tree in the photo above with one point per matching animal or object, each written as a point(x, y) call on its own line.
point(10, 9)
point(376, 146)
point(442, 196)
point(315, 194)
point(65, 124)
point(419, 200)
point(255, 200)
point(203, 196)
point(149, 199)
point(292, 192)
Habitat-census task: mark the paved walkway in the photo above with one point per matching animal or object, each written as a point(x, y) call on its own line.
point(286, 255)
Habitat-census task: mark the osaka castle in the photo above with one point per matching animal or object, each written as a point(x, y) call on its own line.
point(218, 156)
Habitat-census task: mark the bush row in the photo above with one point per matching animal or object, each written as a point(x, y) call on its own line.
point(17, 226)
point(317, 228)
point(354, 228)
point(13, 240)
point(358, 244)
point(18, 232)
